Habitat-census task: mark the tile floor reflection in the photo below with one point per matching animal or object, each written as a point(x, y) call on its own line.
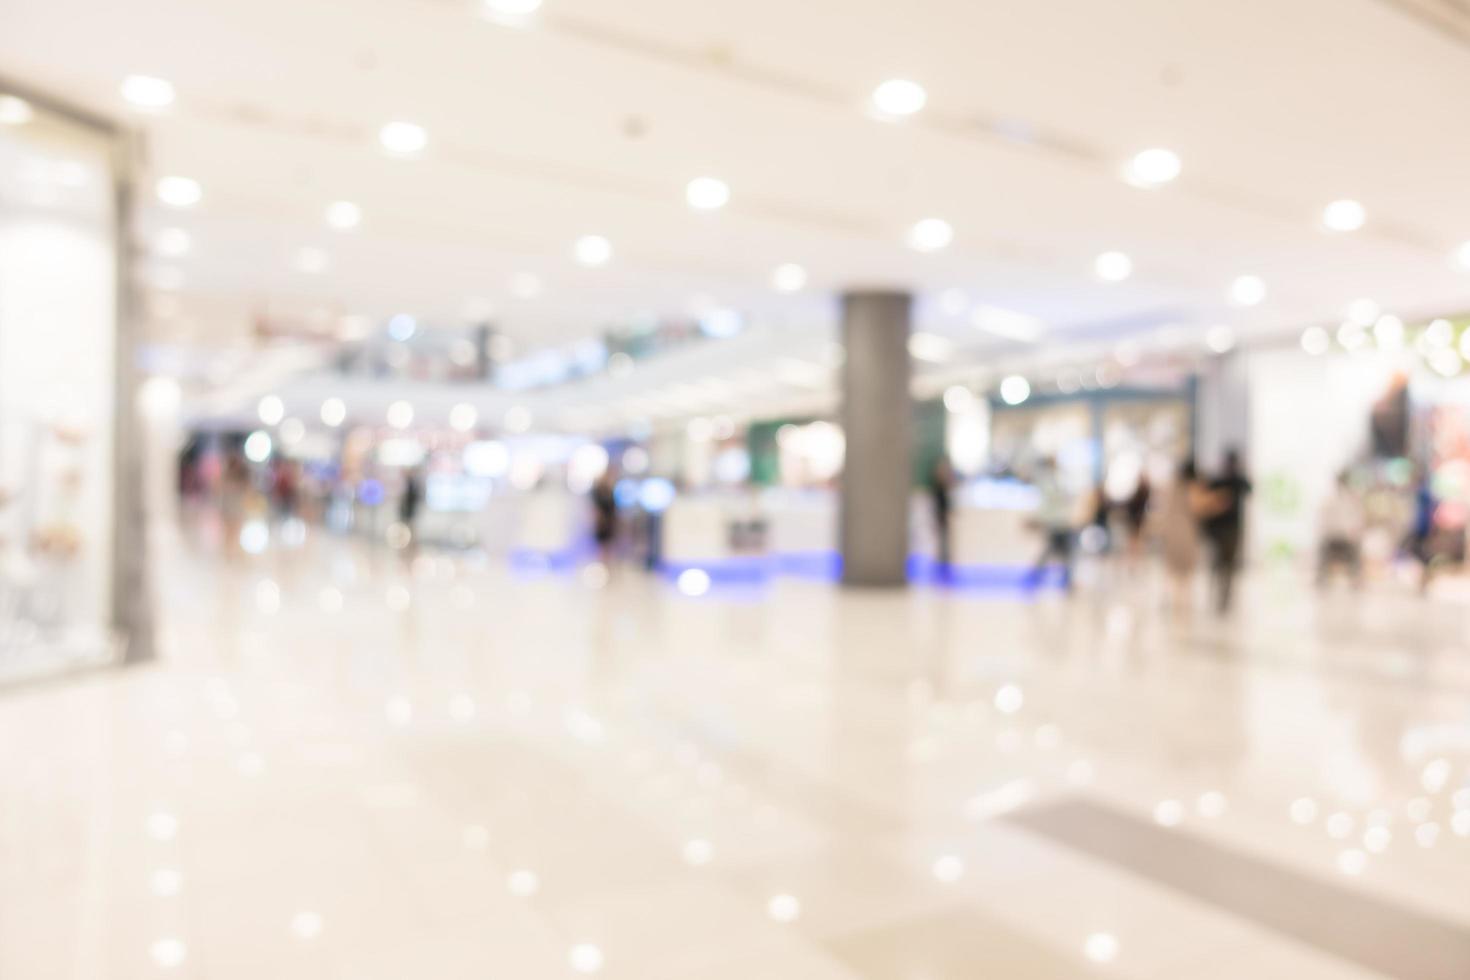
point(352, 766)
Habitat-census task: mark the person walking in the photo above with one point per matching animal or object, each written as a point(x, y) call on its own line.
point(408, 506)
point(1135, 517)
point(941, 488)
point(1225, 528)
point(605, 515)
point(1420, 542)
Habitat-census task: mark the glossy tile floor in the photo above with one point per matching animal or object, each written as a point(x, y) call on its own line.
point(350, 766)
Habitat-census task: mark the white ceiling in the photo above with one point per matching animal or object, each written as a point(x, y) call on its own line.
point(1275, 106)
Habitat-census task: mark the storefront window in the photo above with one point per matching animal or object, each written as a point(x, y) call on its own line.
point(58, 349)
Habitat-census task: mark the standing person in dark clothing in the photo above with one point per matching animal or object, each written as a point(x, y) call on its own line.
point(1135, 516)
point(605, 514)
point(1420, 543)
point(1225, 527)
point(941, 488)
point(413, 495)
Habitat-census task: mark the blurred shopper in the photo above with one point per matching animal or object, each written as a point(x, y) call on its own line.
point(1054, 518)
point(1225, 527)
point(1420, 541)
point(605, 514)
point(1097, 528)
point(409, 503)
point(1177, 527)
point(285, 488)
point(1135, 517)
point(234, 498)
point(1342, 521)
point(941, 490)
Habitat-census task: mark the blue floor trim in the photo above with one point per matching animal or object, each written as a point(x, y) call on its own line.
point(532, 561)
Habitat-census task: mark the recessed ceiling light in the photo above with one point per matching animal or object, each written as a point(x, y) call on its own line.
point(788, 278)
point(312, 261)
point(1014, 390)
point(1248, 291)
point(899, 97)
point(585, 958)
point(179, 192)
point(1344, 215)
point(592, 250)
point(1462, 256)
point(930, 235)
point(306, 925)
point(172, 243)
point(344, 215)
point(403, 138)
point(707, 193)
point(521, 883)
point(1153, 168)
point(168, 953)
point(948, 869)
point(784, 908)
point(1101, 947)
point(147, 92)
point(14, 111)
point(1113, 266)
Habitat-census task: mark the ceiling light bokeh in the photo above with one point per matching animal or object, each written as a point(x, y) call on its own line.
point(899, 97)
point(403, 138)
point(592, 251)
point(1153, 167)
point(930, 235)
point(179, 192)
point(707, 193)
point(147, 92)
point(1112, 266)
point(1343, 215)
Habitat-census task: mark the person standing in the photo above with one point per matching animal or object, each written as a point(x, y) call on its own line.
point(1135, 515)
point(941, 489)
point(605, 515)
point(1225, 527)
point(1342, 521)
point(234, 499)
point(1177, 527)
point(408, 504)
point(1420, 544)
point(1055, 519)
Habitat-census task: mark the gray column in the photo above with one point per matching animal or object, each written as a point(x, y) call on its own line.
point(877, 420)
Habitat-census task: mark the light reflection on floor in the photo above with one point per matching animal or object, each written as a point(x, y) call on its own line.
point(350, 766)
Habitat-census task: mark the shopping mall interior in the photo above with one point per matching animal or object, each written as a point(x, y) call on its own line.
point(713, 491)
